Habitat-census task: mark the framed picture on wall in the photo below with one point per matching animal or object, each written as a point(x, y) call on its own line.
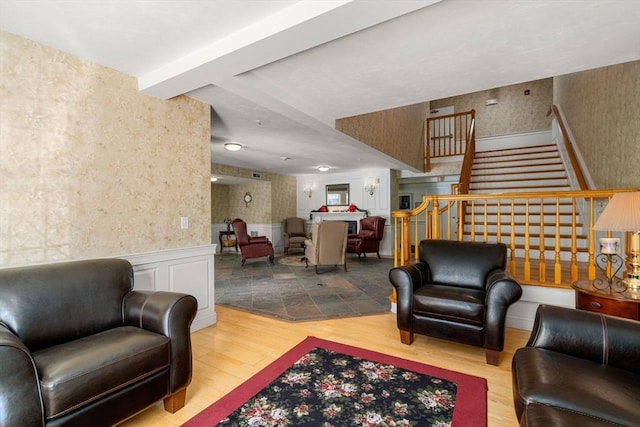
point(406, 201)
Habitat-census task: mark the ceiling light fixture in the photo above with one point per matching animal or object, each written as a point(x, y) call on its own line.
point(232, 146)
point(323, 168)
point(214, 178)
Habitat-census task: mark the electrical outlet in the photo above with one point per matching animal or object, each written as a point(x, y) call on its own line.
point(184, 222)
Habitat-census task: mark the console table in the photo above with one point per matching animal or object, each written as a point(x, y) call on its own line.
point(605, 301)
point(229, 240)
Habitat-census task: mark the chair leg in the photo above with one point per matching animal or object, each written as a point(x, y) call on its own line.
point(378, 253)
point(493, 357)
point(406, 337)
point(345, 267)
point(175, 402)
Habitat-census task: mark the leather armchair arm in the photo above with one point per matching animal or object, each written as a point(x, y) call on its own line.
point(20, 399)
point(406, 279)
point(604, 339)
point(502, 291)
point(169, 314)
point(258, 239)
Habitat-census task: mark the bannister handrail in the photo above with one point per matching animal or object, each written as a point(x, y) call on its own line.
point(569, 144)
point(545, 229)
point(467, 162)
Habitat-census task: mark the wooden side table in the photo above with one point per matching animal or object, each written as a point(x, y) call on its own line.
point(605, 301)
point(229, 240)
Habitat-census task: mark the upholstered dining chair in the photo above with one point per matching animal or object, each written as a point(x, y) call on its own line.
point(458, 291)
point(251, 247)
point(328, 244)
point(368, 238)
point(294, 233)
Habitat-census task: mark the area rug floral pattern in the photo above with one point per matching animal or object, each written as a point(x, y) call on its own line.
point(326, 383)
point(326, 388)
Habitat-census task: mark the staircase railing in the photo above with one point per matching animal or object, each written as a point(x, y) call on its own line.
point(446, 136)
point(536, 227)
point(569, 145)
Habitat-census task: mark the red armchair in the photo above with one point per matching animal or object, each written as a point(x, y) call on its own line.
point(368, 238)
point(251, 247)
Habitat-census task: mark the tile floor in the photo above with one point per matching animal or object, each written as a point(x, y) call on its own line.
point(289, 291)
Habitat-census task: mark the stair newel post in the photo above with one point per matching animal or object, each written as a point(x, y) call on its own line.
point(435, 219)
point(427, 147)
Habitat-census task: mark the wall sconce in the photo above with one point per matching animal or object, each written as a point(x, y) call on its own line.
point(623, 214)
point(308, 190)
point(371, 185)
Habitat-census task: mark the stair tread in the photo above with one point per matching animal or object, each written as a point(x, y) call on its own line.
point(518, 148)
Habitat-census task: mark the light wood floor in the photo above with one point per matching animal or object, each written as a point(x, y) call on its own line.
point(240, 344)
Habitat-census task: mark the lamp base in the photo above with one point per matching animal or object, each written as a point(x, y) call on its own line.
point(632, 283)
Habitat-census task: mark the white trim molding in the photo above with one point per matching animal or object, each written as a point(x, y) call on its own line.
point(186, 270)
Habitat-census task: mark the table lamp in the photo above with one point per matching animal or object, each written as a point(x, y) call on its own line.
point(623, 214)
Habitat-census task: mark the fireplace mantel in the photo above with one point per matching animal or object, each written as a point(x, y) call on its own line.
point(338, 216)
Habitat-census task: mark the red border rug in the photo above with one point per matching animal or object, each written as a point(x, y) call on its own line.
point(471, 395)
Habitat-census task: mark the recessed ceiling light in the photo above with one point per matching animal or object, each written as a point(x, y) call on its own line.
point(285, 158)
point(214, 178)
point(323, 168)
point(232, 146)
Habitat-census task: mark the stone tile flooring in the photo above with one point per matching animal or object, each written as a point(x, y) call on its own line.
point(289, 291)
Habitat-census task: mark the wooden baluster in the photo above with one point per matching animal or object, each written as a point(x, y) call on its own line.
point(574, 241)
point(527, 256)
point(557, 276)
point(499, 221)
point(591, 270)
point(473, 220)
point(427, 147)
point(513, 238)
point(461, 211)
point(486, 223)
point(542, 268)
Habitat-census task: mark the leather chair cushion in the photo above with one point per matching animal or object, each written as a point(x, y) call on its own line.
point(576, 384)
point(455, 304)
point(367, 234)
point(78, 372)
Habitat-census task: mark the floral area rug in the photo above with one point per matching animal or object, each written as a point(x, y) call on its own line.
point(323, 383)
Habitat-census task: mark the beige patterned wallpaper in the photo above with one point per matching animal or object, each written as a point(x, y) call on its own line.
point(396, 132)
point(515, 112)
point(274, 196)
point(602, 107)
point(89, 167)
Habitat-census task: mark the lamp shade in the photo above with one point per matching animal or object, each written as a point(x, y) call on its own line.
point(621, 214)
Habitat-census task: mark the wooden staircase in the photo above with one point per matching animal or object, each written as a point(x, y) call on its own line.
point(524, 169)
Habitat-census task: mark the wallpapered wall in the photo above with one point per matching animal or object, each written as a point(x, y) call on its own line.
point(602, 107)
point(515, 112)
point(396, 132)
point(274, 197)
point(89, 167)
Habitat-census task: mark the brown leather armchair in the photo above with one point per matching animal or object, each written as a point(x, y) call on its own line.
point(294, 233)
point(458, 291)
point(251, 247)
point(79, 346)
point(368, 238)
point(328, 244)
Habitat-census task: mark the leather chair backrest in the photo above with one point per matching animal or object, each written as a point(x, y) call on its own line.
point(240, 229)
point(465, 264)
point(295, 227)
point(372, 227)
point(45, 305)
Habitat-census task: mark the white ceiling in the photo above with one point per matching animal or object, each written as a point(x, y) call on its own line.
point(279, 73)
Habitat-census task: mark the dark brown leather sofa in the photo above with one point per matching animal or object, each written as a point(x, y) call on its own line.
point(79, 347)
point(457, 291)
point(578, 369)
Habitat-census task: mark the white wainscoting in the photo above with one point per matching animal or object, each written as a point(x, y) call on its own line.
point(185, 270)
